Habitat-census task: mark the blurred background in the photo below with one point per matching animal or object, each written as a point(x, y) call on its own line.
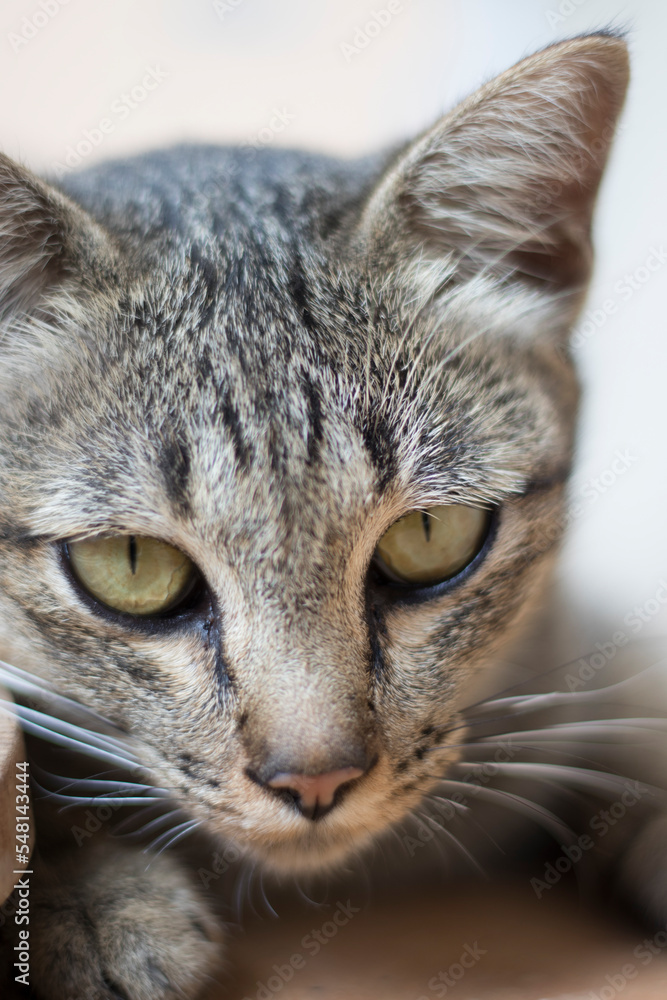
point(85, 80)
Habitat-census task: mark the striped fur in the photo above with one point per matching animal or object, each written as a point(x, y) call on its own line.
point(266, 360)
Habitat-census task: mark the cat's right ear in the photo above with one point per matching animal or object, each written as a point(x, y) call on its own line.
point(45, 240)
point(505, 184)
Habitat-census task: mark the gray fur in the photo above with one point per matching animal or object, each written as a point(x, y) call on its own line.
point(266, 359)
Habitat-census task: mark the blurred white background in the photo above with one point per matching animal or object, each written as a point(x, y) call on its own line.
point(313, 74)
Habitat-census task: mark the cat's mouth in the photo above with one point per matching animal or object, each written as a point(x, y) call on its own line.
point(279, 837)
point(309, 847)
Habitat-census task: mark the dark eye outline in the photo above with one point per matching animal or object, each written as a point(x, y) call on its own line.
point(401, 592)
point(195, 603)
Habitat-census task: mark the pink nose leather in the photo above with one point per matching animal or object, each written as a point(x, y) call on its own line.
point(315, 791)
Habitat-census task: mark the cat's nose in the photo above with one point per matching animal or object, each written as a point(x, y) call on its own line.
point(314, 794)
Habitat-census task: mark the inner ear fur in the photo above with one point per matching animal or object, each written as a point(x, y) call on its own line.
point(44, 239)
point(506, 183)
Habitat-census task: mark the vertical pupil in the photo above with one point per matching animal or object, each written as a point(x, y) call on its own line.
point(132, 552)
point(426, 524)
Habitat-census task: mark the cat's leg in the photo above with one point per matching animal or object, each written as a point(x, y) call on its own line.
point(107, 927)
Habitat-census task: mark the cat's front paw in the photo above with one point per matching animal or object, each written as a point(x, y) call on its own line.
point(115, 929)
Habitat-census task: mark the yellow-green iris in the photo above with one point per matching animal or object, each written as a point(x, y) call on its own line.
point(434, 544)
point(132, 574)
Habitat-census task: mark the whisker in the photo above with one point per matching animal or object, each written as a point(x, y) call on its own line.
point(100, 738)
point(20, 682)
point(72, 801)
point(541, 745)
point(584, 728)
point(170, 837)
point(425, 820)
point(301, 891)
point(539, 814)
point(457, 806)
point(596, 780)
point(242, 886)
point(58, 733)
point(34, 767)
point(128, 822)
point(433, 823)
point(544, 749)
point(639, 723)
point(94, 784)
point(264, 895)
point(465, 814)
point(519, 704)
point(63, 727)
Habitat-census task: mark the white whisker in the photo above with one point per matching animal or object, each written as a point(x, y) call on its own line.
point(584, 777)
point(265, 898)
point(539, 814)
point(170, 837)
point(243, 887)
point(150, 825)
point(20, 682)
point(58, 733)
point(433, 824)
point(102, 787)
point(72, 801)
point(590, 727)
point(521, 704)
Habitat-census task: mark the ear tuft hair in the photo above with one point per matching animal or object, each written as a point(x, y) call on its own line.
point(44, 239)
point(506, 183)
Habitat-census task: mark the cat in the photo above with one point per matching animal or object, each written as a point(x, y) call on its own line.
point(284, 444)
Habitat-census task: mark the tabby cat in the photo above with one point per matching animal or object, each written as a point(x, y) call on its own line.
point(284, 443)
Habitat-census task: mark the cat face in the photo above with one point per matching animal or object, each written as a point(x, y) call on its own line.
point(266, 365)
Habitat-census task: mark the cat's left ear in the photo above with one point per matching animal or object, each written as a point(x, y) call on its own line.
point(46, 241)
point(505, 184)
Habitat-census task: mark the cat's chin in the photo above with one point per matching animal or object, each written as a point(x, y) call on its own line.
point(310, 854)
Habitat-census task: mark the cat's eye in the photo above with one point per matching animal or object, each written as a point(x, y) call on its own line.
point(133, 574)
point(432, 545)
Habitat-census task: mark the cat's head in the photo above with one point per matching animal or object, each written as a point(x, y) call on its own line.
point(265, 364)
